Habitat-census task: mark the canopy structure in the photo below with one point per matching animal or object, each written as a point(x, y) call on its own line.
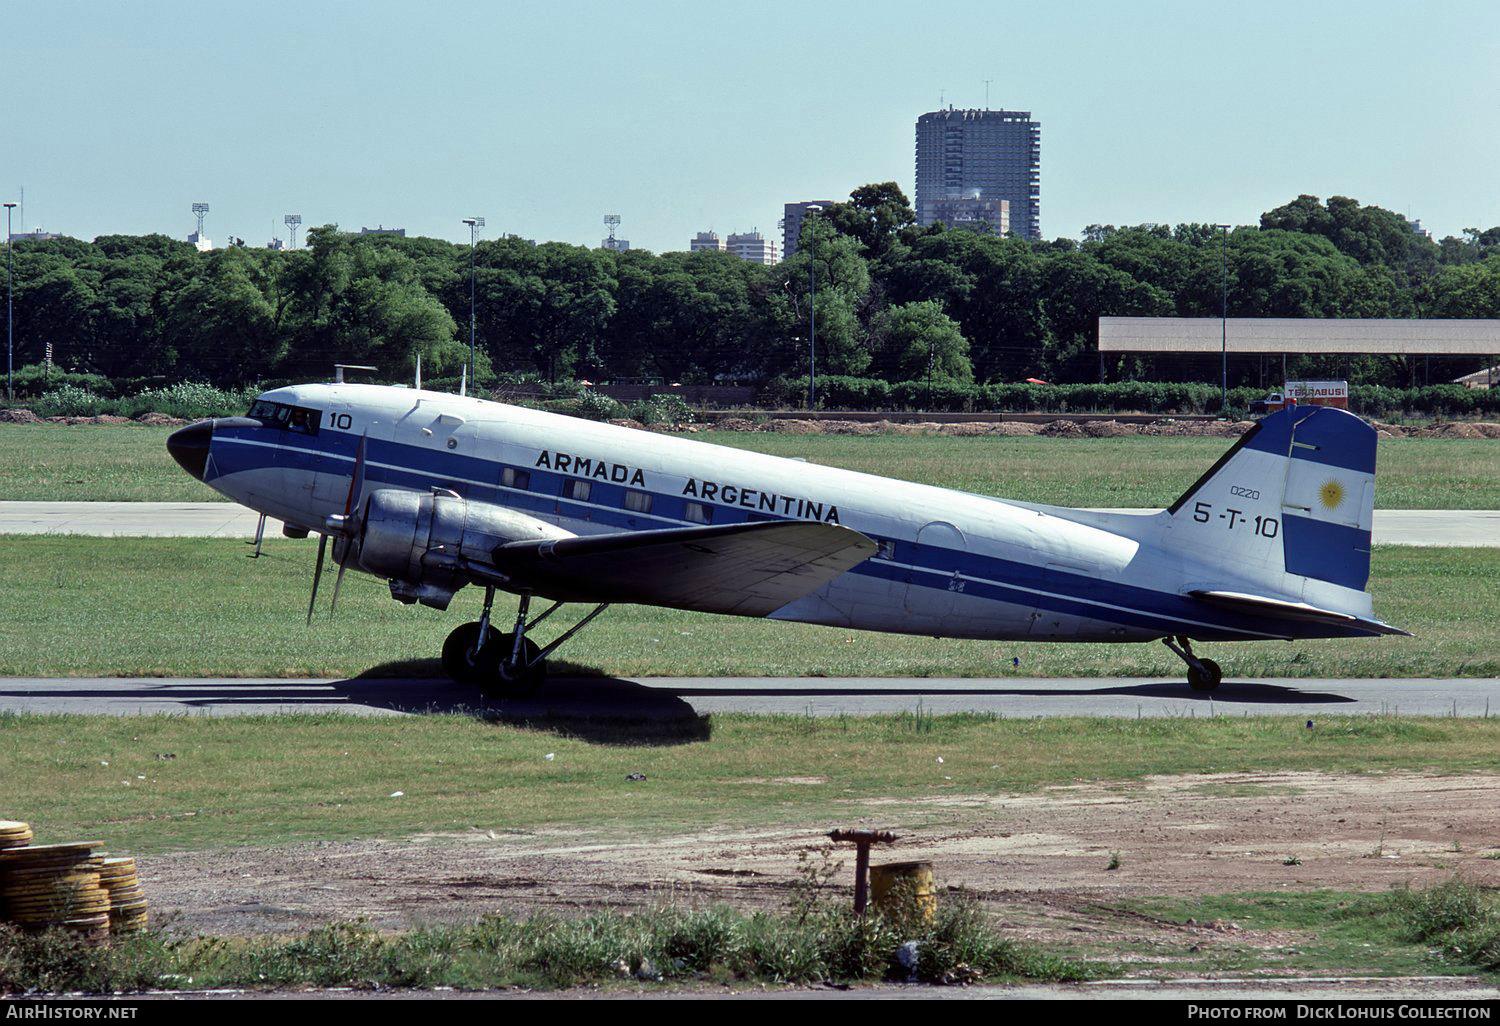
point(1263, 335)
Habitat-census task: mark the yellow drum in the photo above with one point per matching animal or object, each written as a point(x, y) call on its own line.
point(898, 882)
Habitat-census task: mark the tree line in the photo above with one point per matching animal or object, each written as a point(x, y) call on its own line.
point(893, 301)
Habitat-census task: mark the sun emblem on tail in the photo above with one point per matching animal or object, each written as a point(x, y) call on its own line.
point(1332, 494)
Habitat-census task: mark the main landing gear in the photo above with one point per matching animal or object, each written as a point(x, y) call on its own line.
point(1203, 674)
point(504, 665)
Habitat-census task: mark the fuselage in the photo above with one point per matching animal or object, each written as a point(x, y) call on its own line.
point(949, 563)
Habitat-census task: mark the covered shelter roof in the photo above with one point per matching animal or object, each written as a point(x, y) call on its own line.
point(1299, 335)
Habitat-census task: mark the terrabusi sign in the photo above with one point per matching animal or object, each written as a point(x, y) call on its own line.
point(1318, 393)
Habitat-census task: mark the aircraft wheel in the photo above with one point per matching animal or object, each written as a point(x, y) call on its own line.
point(459, 658)
point(498, 681)
point(1208, 678)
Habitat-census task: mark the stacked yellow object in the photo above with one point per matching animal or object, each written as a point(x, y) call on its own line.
point(55, 885)
point(127, 902)
point(14, 834)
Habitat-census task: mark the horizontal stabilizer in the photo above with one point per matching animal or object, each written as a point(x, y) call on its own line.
point(1260, 605)
point(747, 569)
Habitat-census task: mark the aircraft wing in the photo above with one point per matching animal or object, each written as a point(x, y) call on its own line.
point(1261, 605)
point(746, 569)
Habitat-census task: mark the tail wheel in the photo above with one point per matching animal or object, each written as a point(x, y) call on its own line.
point(1207, 678)
point(498, 679)
point(460, 655)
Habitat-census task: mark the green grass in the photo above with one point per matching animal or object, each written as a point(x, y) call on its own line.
point(93, 463)
point(130, 463)
point(188, 607)
point(664, 945)
point(1450, 928)
point(159, 783)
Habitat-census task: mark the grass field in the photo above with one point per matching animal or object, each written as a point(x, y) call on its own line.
point(187, 607)
point(238, 781)
point(130, 463)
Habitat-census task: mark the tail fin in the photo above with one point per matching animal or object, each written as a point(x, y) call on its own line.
point(1289, 507)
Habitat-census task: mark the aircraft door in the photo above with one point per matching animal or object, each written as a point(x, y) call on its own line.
point(330, 474)
point(934, 586)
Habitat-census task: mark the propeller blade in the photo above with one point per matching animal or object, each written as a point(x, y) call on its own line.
point(357, 480)
point(338, 582)
point(317, 574)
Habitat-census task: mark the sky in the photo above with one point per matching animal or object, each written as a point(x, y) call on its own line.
point(543, 117)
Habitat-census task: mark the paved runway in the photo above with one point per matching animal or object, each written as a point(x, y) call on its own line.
point(1433, 527)
point(677, 697)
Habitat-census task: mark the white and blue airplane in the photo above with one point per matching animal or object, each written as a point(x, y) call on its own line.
point(433, 491)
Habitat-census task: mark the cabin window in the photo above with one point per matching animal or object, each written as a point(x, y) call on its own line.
point(510, 477)
point(638, 502)
point(698, 513)
point(575, 489)
point(300, 419)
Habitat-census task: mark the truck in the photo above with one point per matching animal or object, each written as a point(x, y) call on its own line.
point(1304, 393)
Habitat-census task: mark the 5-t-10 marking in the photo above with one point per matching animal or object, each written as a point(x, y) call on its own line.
point(1265, 527)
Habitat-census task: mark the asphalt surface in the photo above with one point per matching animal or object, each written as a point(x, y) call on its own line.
point(667, 698)
point(1431, 527)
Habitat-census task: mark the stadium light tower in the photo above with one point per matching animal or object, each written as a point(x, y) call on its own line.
point(10, 383)
point(199, 211)
point(474, 223)
point(292, 221)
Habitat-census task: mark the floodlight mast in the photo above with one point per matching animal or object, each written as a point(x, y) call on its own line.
point(10, 380)
point(199, 210)
point(474, 223)
point(292, 221)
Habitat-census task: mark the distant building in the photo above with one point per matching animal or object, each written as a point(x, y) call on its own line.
point(791, 224)
point(752, 246)
point(991, 154)
point(1417, 229)
point(1480, 379)
point(706, 242)
point(35, 235)
point(988, 216)
point(276, 244)
point(383, 230)
point(200, 242)
point(614, 244)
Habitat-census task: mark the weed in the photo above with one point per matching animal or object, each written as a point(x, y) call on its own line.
point(1114, 861)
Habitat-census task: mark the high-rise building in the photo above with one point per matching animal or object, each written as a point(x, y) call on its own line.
point(752, 246)
point(791, 224)
point(981, 154)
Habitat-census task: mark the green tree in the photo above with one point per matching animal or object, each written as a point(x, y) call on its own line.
point(914, 340)
point(876, 215)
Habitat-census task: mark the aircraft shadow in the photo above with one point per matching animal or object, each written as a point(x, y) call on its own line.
point(1248, 692)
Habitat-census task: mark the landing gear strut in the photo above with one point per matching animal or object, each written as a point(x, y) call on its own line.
point(504, 665)
point(1203, 674)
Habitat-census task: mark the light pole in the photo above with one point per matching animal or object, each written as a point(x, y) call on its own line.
point(1223, 320)
point(10, 380)
point(812, 310)
point(474, 223)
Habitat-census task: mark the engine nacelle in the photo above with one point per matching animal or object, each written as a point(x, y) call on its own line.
point(414, 540)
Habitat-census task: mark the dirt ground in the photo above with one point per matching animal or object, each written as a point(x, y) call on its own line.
point(1039, 862)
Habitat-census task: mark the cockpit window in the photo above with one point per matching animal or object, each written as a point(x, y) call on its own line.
point(289, 418)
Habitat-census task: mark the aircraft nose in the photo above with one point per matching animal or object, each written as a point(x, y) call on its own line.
point(189, 446)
